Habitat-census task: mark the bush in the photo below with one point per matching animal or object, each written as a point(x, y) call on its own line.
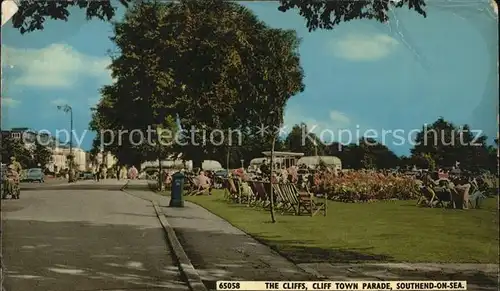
point(366, 186)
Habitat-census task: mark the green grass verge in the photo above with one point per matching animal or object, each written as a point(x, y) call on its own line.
point(380, 231)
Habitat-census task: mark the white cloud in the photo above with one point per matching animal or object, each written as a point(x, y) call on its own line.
point(59, 101)
point(336, 125)
point(358, 47)
point(335, 122)
point(9, 102)
point(58, 65)
point(340, 118)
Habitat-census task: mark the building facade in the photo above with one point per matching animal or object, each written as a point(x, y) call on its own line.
point(60, 159)
point(102, 158)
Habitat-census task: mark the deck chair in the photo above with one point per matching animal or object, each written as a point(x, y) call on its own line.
point(461, 196)
point(292, 197)
point(199, 190)
point(308, 203)
point(476, 197)
point(280, 201)
point(233, 190)
point(444, 194)
point(256, 194)
point(427, 196)
point(247, 193)
point(262, 195)
point(191, 185)
point(238, 184)
point(289, 202)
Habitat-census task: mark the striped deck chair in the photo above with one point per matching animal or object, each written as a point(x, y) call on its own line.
point(292, 198)
point(477, 195)
point(260, 190)
point(231, 190)
point(289, 202)
point(191, 185)
point(247, 193)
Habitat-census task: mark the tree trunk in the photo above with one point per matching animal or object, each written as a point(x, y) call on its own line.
point(197, 162)
point(160, 173)
point(228, 155)
point(271, 192)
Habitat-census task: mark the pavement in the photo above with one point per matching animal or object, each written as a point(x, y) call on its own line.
point(219, 251)
point(84, 240)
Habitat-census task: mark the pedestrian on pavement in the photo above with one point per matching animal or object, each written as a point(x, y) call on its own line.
point(103, 172)
point(118, 172)
point(123, 172)
point(132, 173)
point(98, 173)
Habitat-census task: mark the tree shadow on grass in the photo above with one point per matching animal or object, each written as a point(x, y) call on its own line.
point(61, 256)
point(300, 252)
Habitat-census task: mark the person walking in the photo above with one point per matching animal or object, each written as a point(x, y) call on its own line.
point(98, 173)
point(132, 173)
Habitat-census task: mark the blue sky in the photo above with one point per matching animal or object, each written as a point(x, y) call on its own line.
point(362, 75)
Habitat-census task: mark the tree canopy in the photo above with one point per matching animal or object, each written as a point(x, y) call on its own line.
point(211, 65)
point(28, 157)
point(323, 14)
point(42, 155)
point(444, 144)
point(13, 147)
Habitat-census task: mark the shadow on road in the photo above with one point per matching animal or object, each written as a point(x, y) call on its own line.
point(66, 187)
point(61, 256)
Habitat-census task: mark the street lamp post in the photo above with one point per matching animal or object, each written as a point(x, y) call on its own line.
point(67, 109)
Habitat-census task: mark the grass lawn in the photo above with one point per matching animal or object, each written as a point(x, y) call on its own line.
point(380, 231)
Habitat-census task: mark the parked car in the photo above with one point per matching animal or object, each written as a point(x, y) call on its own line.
point(221, 173)
point(34, 174)
point(86, 176)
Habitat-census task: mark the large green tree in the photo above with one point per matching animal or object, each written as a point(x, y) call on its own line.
point(239, 76)
point(446, 144)
point(42, 155)
point(300, 140)
point(365, 153)
point(13, 147)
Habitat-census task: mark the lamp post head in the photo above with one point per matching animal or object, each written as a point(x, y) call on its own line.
point(66, 108)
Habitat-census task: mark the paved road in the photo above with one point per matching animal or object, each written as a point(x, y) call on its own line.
point(59, 240)
point(62, 184)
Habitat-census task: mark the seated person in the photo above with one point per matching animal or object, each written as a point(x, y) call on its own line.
point(203, 184)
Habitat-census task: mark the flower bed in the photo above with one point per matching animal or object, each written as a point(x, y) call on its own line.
point(359, 186)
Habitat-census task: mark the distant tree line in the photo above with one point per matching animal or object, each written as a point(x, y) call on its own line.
point(28, 157)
